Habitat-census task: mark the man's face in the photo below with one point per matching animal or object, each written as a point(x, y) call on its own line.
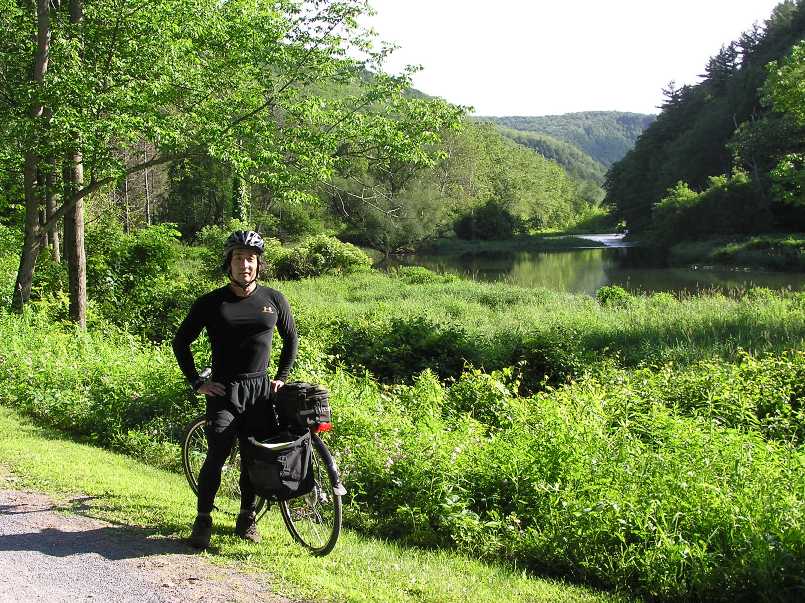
point(243, 266)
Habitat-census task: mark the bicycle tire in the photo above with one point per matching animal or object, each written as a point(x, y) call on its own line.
point(194, 451)
point(314, 520)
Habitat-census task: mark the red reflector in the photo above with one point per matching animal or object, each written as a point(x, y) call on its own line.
point(323, 427)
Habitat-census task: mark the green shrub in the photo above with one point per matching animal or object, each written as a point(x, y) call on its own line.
point(320, 255)
point(613, 296)
point(655, 481)
point(486, 397)
point(728, 206)
point(553, 356)
point(397, 349)
point(490, 222)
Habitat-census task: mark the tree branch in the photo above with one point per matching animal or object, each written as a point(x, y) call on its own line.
point(95, 185)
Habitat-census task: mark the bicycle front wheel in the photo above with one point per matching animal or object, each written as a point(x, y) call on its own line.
point(314, 520)
point(194, 451)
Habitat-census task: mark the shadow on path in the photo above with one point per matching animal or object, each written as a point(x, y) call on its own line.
point(35, 523)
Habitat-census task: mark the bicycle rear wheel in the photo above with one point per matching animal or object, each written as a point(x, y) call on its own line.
point(314, 520)
point(194, 451)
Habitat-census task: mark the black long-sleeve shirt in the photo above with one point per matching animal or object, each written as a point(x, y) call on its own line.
point(240, 331)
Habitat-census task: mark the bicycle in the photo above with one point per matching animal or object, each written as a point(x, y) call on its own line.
point(313, 520)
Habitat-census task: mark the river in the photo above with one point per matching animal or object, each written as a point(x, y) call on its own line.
point(585, 270)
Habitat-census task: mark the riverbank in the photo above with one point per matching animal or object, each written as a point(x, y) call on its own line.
point(778, 252)
point(542, 242)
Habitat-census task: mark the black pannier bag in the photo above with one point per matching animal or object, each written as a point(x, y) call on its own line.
point(280, 467)
point(301, 404)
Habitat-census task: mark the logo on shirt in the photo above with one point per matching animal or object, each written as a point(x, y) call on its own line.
point(268, 310)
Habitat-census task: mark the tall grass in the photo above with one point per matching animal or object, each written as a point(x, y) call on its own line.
point(395, 326)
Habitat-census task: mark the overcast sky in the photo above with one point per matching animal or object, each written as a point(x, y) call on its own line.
point(537, 57)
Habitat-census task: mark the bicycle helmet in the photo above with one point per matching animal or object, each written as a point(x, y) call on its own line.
point(243, 239)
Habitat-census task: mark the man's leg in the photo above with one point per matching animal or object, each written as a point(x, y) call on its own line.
point(256, 422)
point(221, 433)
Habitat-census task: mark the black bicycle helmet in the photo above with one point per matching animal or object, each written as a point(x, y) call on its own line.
point(243, 239)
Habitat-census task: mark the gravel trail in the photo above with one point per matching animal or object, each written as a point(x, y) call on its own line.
point(47, 555)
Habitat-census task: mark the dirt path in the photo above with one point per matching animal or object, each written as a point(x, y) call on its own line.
point(47, 555)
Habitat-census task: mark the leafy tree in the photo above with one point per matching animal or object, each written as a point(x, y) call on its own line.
point(235, 80)
point(785, 90)
point(785, 86)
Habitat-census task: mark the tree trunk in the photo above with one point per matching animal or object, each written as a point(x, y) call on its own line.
point(126, 224)
point(147, 193)
point(33, 235)
point(33, 238)
point(76, 255)
point(50, 207)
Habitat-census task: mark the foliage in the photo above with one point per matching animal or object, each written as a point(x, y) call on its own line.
point(490, 222)
point(419, 275)
point(316, 256)
point(232, 94)
point(785, 86)
point(477, 171)
point(728, 206)
point(200, 194)
point(772, 251)
point(613, 297)
point(656, 483)
point(577, 163)
point(645, 443)
point(788, 179)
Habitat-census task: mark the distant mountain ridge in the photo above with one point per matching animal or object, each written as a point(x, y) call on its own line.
point(606, 136)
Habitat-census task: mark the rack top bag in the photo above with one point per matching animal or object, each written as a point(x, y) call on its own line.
point(302, 405)
point(280, 467)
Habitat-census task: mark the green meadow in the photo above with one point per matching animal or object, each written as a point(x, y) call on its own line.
point(650, 445)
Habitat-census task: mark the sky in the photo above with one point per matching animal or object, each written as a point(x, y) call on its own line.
point(538, 57)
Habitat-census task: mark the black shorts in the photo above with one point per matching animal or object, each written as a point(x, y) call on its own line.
point(245, 410)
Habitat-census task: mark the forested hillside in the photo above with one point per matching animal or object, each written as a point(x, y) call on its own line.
point(725, 155)
point(605, 136)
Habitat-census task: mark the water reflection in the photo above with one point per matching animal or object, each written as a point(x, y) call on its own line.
point(586, 270)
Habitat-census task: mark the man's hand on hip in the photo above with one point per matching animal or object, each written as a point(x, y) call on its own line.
point(212, 388)
point(275, 385)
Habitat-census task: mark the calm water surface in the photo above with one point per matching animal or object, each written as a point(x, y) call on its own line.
point(586, 270)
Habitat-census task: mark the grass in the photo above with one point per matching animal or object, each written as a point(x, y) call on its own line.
point(657, 482)
point(660, 452)
point(360, 569)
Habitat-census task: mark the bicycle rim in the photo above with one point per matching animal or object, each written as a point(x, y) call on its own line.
point(314, 520)
point(194, 451)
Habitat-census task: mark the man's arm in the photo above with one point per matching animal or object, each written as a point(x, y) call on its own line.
point(187, 333)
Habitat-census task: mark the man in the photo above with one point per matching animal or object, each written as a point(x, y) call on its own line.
point(240, 319)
